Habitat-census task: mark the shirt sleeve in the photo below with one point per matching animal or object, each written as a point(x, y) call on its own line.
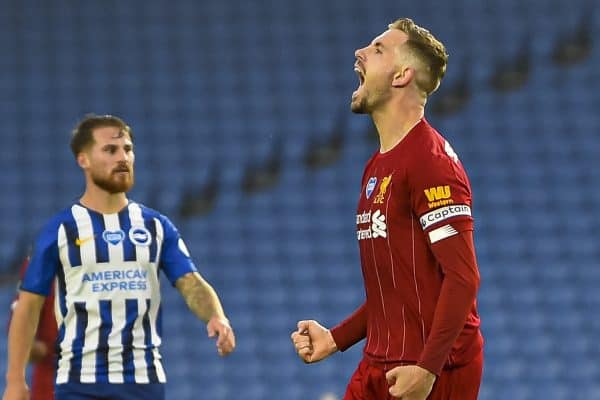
point(44, 262)
point(456, 256)
point(440, 194)
point(441, 198)
point(175, 258)
point(352, 330)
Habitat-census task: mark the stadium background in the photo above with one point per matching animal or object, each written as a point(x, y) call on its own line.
point(244, 137)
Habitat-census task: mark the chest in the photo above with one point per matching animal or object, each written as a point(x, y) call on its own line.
point(87, 244)
point(384, 203)
point(384, 187)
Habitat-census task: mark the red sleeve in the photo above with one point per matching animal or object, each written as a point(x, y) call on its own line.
point(351, 330)
point(456, 255)
point(440, 192)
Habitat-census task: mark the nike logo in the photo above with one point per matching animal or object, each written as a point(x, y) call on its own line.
point(79, 242)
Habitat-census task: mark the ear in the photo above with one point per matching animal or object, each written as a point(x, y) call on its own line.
point(403, 77)
point(83, 160)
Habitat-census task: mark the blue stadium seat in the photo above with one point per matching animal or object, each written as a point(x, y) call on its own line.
point(209, 98)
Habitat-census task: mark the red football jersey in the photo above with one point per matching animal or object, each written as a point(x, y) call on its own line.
point(413, 196)
point(43, 371)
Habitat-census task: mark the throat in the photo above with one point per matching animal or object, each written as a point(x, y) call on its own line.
point(388, 139)
point(104, 203)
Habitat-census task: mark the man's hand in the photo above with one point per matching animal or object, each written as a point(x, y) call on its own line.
point(313, 342)
point(225, 336)
point(39, 351)
point(16, 390)
point(410, 382)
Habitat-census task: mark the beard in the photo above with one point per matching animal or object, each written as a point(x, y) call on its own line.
point(368, 100)
point(359, 106)
point(116, 182)
point(358, 102)
point(363, 100)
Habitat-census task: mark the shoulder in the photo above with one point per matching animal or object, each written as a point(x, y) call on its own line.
point(149, 213)
point(370, 162)
point(145, 210)
point(428, 143)
point(52, 225)
point(434, 169)
point(47, 238)
point(430, 149)
point(371, 159)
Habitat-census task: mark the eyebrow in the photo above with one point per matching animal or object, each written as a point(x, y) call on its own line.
point(379, 44)
point(111, 145)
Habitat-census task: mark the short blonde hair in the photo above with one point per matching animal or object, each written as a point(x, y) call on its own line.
point(428, 50)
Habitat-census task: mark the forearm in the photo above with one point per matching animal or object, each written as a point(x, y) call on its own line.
point(21, 334)
point(451, 313)
point(352, 330)
point(200, 297)
point(457, 296)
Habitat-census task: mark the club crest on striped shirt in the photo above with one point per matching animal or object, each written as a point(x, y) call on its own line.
point(140, 236)
point(370, 186)
point(113, 237)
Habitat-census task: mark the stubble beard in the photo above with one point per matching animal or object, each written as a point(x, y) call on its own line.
point(359, 105)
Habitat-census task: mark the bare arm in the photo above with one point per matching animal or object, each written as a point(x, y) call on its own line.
point(20, 341)
point(200, 297)
point(39, 349)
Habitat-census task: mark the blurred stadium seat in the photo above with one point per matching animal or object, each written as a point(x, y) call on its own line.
point(213, 87)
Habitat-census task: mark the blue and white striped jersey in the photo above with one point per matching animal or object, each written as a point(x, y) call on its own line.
point(107, 290)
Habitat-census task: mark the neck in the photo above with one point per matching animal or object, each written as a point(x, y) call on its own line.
point(395, 120)
point(102, 201)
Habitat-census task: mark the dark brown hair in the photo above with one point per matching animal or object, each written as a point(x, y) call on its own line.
point(82, 135)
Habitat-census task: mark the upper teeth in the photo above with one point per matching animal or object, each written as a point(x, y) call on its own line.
point(360, 74)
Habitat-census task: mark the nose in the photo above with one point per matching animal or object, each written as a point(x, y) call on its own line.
point(358, 53)
point(124, 155)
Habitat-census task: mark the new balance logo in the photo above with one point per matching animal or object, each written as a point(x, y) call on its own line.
point(377, 227)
